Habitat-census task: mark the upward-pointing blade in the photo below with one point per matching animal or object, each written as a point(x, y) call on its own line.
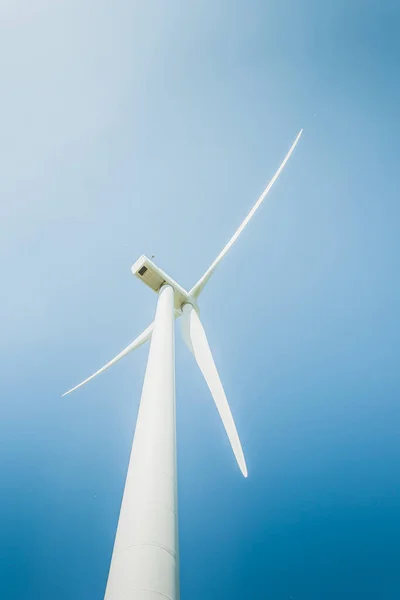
point(196, 290)
point(141, 339)
point(195, 338)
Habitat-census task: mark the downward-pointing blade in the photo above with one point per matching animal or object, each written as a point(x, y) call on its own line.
point(141, 339)
point(195, 338)
point(196, 289)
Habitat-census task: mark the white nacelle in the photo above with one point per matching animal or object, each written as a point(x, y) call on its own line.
point(145, 270)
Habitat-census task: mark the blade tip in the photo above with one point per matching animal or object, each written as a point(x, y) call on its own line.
point(243, 467)
point(70, 391)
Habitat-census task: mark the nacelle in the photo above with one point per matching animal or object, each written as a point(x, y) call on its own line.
point(145, 270)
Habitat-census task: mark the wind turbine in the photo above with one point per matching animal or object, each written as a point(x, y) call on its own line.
point(145, 559)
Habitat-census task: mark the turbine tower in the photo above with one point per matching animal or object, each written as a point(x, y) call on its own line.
point(145, 559)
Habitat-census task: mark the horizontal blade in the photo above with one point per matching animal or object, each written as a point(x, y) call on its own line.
point(196, 290)
point(141, 339)
point(195, 338)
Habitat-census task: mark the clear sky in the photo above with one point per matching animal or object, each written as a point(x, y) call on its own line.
point(132, 127)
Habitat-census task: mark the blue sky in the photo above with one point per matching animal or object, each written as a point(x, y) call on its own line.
point(152, 127)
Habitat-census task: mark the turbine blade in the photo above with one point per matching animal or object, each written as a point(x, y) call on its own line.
point(195, 338)
point(141, 339)
point(197, 289)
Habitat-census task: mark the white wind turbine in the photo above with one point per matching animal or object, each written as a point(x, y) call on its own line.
point(145, 559)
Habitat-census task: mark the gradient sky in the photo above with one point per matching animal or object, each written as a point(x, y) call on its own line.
point(151, 127)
